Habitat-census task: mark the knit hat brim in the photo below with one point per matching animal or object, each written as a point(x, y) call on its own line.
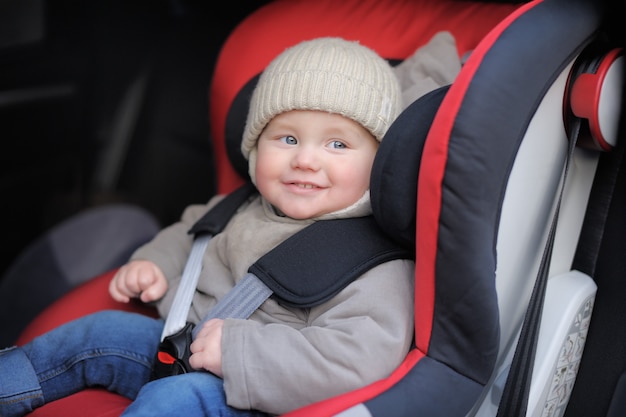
point(325, 74)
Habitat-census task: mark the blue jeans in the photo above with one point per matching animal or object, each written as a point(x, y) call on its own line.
point(110, 349)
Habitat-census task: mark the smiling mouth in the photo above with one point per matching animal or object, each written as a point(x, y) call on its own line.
point(304, 186)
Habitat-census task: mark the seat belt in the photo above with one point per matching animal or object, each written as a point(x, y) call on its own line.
point(291, 275)
point(514, 400)
point(212, 223)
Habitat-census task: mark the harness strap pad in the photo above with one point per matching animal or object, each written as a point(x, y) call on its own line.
point(214, 221)
point(316, 263)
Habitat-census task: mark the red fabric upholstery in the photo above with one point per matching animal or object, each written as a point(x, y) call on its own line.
point(91, 402)
point(85, 299)
point(393, 28)
point(88, 298)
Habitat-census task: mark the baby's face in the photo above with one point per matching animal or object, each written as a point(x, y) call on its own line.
point(311, 163)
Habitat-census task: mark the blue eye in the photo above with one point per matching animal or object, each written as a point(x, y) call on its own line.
point(335, 144)
point(289, 140)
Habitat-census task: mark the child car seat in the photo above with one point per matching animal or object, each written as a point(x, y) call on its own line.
point(488, 180)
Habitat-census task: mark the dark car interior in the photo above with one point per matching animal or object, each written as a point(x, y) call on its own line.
point(102, 103)
point(105, 101)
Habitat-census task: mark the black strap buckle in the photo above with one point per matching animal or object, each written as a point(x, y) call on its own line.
point(173, 354)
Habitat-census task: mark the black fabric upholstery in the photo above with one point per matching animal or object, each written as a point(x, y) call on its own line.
point(393, 184)
point(434, 381)
point(235, 123)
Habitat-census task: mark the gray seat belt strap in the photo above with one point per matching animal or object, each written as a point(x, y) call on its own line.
point(177, 317)
point(212, 223)
point(240, 302)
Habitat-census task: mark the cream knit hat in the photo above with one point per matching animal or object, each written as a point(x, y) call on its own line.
point(327, 74)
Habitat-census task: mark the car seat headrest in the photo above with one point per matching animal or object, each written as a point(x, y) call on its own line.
point(235, 122)
point(393, 184)
point(593, 95)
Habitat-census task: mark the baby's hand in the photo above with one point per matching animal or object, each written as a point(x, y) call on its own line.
point(138, 279)
point(206, 349)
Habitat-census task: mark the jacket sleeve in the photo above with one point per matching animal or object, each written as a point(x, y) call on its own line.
point(358, 337)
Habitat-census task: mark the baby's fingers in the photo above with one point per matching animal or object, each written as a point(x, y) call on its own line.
point(132, 279)
point(156, 289)
point(117, 289)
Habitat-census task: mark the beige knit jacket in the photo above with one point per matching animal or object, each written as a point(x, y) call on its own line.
point(282, 358)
